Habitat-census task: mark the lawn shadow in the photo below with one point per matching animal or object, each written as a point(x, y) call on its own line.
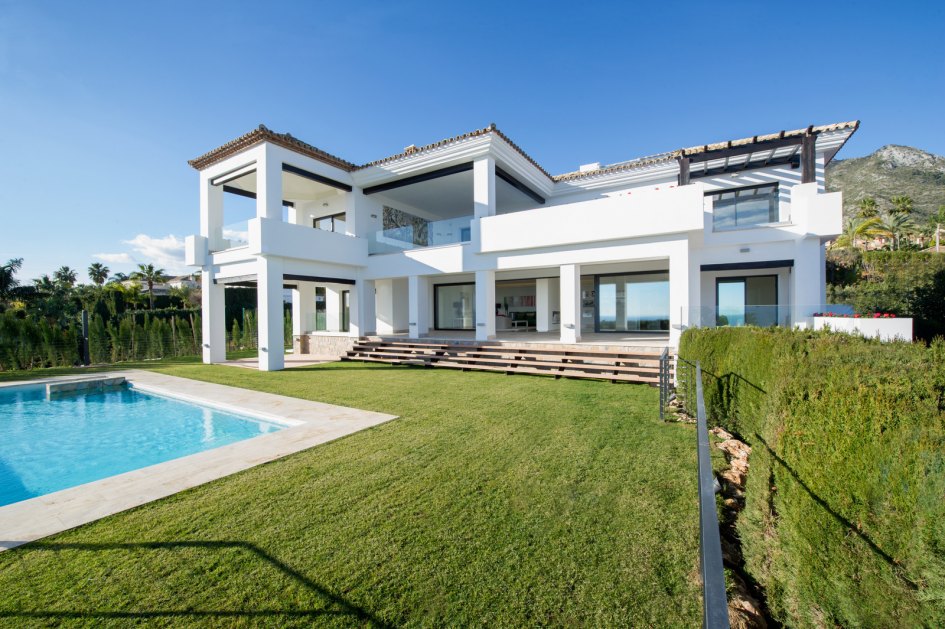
point(336, 605)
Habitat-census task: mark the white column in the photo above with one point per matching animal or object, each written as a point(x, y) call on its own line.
point(211, 213)
point(543, 304)
point(807, 277)
point(485, 305)
point(269, 313)
point(213, 318)
point(363, 214)
point(333, 309)
point(484, 187)
point(570, 303)
point(384, 304)
point(269, 185)
point(362, 313)
point(418, 306)
point(680, 282)
point(303, 307)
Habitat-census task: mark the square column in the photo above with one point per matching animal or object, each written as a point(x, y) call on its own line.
point(303, 307)
point(333, 309)
point(570, 303)
point(362, 309)
point(485, 305)
point(211, 213)
point(681, 284)
point(213, 318)
point(384, 305)
point(269, 185)
point(269, 314)
point(418, 306)
point(484, 187)
point(808, 283)
point(543, 304)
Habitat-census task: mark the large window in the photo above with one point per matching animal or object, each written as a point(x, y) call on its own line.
point(453, 306)
point(637, 302)
point(745, 207)
point(749, 300)
point(333, 223)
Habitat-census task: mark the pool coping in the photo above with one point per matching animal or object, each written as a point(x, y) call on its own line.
point(307, 424)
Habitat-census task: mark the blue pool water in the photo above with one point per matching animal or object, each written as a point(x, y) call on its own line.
point(48, 445)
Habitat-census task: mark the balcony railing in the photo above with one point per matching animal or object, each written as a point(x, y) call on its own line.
point(235, 235)
point(421, 234)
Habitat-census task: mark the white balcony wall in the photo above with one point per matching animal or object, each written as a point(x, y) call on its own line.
point(271, 237)
point(637, 214)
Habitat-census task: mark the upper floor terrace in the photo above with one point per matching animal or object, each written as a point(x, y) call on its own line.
point(482, 189)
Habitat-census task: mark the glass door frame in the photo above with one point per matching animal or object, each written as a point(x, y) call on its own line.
point(436, 307)
point(597, 301)
point(744, 279)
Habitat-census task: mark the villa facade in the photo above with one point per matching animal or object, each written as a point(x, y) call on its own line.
point(471, 236)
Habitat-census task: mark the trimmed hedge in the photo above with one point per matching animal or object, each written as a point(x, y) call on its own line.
point(844, 522)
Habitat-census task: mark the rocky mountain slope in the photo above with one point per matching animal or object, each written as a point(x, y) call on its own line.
point(891, 171)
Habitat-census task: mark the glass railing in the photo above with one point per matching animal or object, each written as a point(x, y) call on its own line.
point(765, 315)
point(235, 235)
point(420, 234)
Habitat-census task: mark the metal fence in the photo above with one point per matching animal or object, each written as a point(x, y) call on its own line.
point(715, 602)
point(665, 382)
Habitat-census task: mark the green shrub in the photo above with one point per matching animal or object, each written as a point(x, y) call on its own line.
point(844, 522)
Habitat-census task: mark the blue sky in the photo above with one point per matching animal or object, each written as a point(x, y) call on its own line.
point(102, 103)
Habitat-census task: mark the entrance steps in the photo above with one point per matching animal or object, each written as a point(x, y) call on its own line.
point(624, 364)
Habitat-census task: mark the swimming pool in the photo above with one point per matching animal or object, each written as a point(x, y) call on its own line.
point(48, 444)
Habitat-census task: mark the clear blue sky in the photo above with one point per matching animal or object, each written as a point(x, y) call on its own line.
point(102, 103)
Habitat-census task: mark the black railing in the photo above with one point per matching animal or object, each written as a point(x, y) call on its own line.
point(715, 603)
point(665, 382)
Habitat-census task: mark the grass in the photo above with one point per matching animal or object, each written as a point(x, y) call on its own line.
point(492, 500)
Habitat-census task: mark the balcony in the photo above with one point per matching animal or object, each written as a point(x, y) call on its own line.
point(421, 233)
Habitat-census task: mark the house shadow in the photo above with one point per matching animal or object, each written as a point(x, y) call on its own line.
point(335, 605)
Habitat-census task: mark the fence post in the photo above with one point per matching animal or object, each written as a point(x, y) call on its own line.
point(86, 357)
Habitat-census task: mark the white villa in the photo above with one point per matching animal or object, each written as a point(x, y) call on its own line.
point(471, 238)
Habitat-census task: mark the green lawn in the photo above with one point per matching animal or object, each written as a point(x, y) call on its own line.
point(493, 500)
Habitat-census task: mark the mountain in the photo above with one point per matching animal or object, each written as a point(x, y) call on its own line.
point(891, 171)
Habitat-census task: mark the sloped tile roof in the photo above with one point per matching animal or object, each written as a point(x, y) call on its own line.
point(263, 134)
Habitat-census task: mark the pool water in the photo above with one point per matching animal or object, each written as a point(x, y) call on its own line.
point(51, 444)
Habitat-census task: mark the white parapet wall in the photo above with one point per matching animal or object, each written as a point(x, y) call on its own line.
point(898, 329)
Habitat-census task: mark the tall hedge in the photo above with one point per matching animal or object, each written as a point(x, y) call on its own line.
point(844, 522)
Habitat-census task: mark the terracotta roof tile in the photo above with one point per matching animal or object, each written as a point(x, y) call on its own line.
point(263, 134)
point(413, 150)
point(695, 150)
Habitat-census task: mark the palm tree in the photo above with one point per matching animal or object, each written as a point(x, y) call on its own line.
point(902, 204)
point(65, 277)
point(858, 230)
point(868, 208)
point(8, 280)
point(98, 273)
point(897, 225)
point(151, 276)
point(118, 278)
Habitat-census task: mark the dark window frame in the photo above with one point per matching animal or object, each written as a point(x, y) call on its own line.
point(332, 217)
point(436, 307)
point(776, 200)
point(744, 278)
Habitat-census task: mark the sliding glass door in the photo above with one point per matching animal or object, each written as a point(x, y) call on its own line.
point(453, 306)
point(636, 302)
point(749, 300)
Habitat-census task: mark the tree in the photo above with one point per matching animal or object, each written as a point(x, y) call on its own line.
point(897, 225)
point(868, 208)
point(902, 205)
point(98, 273)
point(118, 278)
point(65, 277)
point(150, 276)
point(186, 295)
point(8, 280)
point(857, 230)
